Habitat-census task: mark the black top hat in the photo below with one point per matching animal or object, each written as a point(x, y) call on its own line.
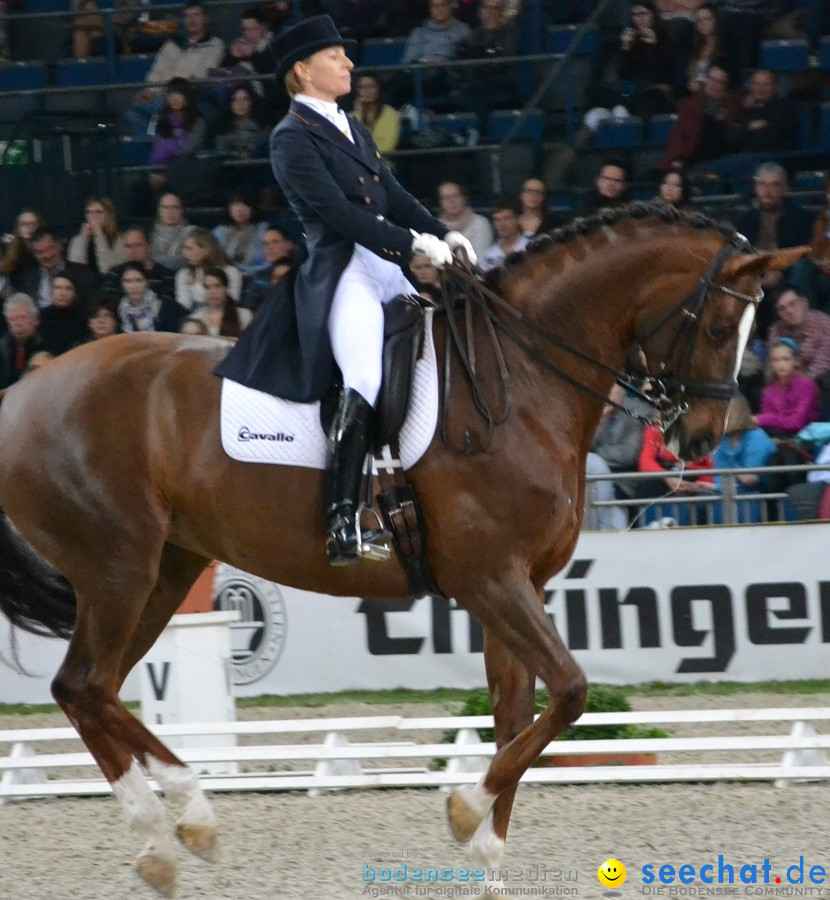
point(302, 40)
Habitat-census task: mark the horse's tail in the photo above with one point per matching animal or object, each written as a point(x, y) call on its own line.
point(33, 596)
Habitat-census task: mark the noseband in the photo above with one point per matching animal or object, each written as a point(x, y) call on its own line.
point(668, 391)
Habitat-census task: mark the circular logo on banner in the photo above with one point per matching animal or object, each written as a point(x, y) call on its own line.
point(258, 638)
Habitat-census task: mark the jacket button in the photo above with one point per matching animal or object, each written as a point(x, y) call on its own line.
point(367, 201)
point(377, 179)
point(361, 180)
point(380, 218)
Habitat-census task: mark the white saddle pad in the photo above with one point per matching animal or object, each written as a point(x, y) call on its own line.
point(257, 427)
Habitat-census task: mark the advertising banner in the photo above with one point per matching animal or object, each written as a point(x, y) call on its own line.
point(735, 604)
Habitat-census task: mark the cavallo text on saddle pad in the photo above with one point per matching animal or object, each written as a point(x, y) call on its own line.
point(245, 434)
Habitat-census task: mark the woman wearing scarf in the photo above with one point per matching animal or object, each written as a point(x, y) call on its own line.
point(140, 309)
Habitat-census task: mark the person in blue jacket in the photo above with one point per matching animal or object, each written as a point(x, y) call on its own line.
point(744, 446)
point(361, 227)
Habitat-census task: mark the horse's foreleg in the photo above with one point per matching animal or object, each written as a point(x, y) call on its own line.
point(196, 824)
point(512, 697)
point(515, 616)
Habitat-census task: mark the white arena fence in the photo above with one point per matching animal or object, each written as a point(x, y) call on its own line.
point(341, 760)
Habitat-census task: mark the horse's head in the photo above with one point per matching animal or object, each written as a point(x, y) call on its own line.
point(694, 350)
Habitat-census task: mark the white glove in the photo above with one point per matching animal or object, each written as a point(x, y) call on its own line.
point(455, 240)
point(433, 248)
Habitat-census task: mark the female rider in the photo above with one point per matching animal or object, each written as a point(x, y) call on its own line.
point(328, 314)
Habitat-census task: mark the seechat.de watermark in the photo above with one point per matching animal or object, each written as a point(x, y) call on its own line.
point(721, 878)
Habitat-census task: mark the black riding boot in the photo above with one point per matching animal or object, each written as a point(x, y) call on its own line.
point(346, 451)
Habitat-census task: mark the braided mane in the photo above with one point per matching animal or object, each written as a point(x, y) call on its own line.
point(609, 216)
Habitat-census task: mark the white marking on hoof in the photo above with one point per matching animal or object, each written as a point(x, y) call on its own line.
point(486, 848)
point(196, 825)
point(145, 815)
point(181, 785)
point(466, 808)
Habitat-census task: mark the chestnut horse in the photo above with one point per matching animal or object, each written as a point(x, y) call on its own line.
point(112, 475)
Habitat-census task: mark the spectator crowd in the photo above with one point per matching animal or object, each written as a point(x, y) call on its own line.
point(734, 124)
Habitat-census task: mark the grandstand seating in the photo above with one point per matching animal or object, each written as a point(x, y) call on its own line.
point(68, 101)
point(460, 125)
point(501, 122)
point(658, 129)
point(561, 38)
point(613, 132)
point(639, 142)
point(46, 6)
point(133, 151)
point(784, 55)
point(38, 39)
point(808, 181)
point(805, 116)
point(224, 18)
point(823, 135)
point(569, 90)
point(22, 77)
point(82, 72)
point(382, 52)
point(133, 67)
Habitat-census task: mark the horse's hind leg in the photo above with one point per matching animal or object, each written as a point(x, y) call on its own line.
point(86, 688)
point(196, 825)
point(512, 697)
point(515, 615)
point(110, 635)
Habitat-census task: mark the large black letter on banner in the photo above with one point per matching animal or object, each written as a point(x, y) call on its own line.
point(758, 613)
point(723, 625)
point(377, 635)
point(645, 599)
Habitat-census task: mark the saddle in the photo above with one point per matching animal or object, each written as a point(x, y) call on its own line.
point(403, 339)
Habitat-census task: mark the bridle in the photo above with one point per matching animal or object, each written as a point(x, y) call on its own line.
point(665, 392)
point(669, 390)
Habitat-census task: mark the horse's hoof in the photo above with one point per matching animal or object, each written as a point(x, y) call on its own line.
point(200, 840)
point(463, 819)
point(159, 872)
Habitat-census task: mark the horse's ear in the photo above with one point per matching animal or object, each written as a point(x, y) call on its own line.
point(765, 261)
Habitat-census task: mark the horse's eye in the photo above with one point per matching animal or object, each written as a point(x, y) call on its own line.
point(719, 334)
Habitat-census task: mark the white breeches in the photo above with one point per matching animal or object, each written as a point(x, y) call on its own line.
point(356, 318)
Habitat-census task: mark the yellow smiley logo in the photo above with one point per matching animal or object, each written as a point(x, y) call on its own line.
point(611, 873)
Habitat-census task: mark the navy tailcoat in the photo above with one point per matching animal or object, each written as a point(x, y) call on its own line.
point(343, 194)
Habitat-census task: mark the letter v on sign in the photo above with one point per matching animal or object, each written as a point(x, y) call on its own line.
point(159, 688)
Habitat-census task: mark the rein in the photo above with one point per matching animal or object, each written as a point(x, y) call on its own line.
point(665, 394)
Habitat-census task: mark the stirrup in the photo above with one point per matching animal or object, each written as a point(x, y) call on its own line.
point(379, 547)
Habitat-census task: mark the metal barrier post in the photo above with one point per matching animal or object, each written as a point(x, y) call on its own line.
point(730, 507)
